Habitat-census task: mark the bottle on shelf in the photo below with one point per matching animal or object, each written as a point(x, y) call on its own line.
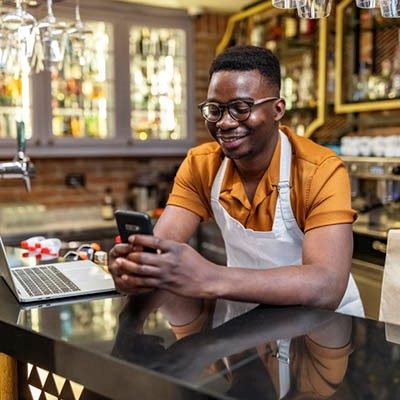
point(383, 82)
point(395, 75)
point(108, 204)
point(287, 88)
point(306, 83)
point(330, 84)
point(290, 26)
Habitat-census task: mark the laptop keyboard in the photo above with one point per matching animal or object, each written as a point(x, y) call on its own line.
point(44, 280)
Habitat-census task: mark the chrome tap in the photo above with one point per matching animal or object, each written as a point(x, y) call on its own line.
point(21, 166)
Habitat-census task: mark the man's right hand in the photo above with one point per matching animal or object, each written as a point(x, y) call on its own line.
point(122, 250)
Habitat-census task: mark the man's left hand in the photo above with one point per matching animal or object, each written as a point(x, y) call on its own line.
point(176, 267)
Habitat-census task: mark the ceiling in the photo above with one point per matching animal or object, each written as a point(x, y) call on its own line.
point(198, 6)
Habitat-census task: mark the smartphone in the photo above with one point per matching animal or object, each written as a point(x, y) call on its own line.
point(131, 222)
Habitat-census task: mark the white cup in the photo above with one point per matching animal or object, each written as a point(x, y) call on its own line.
point(378, 146)
point(390, 146)
point(365, 146)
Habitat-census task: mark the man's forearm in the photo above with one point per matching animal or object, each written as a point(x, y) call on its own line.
point(304, 284)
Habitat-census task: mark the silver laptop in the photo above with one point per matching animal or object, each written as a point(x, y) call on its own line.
point(54, 281)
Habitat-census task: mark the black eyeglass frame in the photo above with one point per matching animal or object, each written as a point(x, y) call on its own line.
point(226, 106)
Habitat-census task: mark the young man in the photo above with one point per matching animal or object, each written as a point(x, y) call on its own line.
point(281, 202)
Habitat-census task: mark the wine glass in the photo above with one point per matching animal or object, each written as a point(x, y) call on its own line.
point(4, 48)
point(19, 25)
point(314, 9)
point(77, 34)
point(52, 36)
point(18, 18)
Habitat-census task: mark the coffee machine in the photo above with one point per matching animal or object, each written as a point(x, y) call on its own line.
point(375, 190)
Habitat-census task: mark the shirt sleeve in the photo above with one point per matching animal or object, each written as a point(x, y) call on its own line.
point(328, 196)
point(189, 190)
point(320, 370)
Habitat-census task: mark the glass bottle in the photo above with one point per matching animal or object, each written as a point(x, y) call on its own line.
point(395, 76)
point(306, 83)
point(108, 204)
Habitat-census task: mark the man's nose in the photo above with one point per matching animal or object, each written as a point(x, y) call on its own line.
point(226, 120)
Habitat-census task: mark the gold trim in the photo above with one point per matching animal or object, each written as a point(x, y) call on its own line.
point(321, 92)
point(238, 17)
point(340, 106)
point(8, 378)
point(322, 48)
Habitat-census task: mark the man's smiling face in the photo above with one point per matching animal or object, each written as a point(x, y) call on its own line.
point(249, 138)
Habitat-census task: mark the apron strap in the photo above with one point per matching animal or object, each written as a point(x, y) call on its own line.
point(284, 366)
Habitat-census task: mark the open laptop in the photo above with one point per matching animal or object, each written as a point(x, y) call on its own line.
point(54, 281)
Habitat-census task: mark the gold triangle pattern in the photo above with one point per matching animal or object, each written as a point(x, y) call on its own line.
point(42, 375)
point(77, 389)
point(50, 396)
point(66, 392)
point(59, 381)
point(50, 386)
point(35, 392)
point(44, 385)
point(33, 379)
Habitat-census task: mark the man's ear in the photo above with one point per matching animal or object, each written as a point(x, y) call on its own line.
point(279, 109)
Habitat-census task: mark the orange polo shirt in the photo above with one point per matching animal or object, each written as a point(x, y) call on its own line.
point(320, 186)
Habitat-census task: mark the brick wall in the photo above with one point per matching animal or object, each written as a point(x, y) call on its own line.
point(49, 187)
point(209, 31)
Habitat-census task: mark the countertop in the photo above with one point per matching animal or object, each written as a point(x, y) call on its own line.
point(119, 350)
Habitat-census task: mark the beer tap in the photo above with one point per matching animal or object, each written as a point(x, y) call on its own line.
point(20, 167)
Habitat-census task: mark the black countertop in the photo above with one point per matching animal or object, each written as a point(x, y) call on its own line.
point(116, 349)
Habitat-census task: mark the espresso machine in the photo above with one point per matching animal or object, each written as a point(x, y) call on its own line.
point(375, 186)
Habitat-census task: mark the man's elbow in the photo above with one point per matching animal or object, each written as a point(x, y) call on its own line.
point(327, 293)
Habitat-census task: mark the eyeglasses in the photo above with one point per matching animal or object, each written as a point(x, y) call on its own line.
point(239, 110)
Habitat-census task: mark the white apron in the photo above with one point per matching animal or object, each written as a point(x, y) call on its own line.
point(258, 249)
point(279, 247)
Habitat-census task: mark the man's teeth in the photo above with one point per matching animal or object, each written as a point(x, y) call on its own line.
point(231, 138)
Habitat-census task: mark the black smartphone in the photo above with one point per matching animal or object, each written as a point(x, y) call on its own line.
point(131, 222)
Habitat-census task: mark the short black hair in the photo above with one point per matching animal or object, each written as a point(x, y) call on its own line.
point(248, 58)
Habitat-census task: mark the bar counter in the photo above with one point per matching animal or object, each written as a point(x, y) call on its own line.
point(120, 350)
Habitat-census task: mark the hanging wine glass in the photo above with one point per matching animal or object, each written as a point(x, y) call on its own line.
point(52, 37)
point(18, 27)
point(4, 48)
point(18, 18)
point(78, 34)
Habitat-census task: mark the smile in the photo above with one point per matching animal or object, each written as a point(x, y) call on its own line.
point(230, 139)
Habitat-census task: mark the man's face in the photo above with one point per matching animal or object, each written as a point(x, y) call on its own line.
point(249, 138)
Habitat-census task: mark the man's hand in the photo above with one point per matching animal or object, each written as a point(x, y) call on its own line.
point(117, 252)
point(177, 268)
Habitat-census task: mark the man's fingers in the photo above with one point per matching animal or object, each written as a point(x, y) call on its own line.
point(120, 250)
point(151, 241)
point(138, 281)
point(130, 267)
point(125, 287)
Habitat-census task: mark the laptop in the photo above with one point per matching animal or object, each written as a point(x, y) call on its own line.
point(54, 281)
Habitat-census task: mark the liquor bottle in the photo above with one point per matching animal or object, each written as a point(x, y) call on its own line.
point(383, 81)
point(395, 76)
point(291, 27)
point(108, 204)
point(287, 88)
point(145, 42)
point(330, 84)
point(306, 83)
